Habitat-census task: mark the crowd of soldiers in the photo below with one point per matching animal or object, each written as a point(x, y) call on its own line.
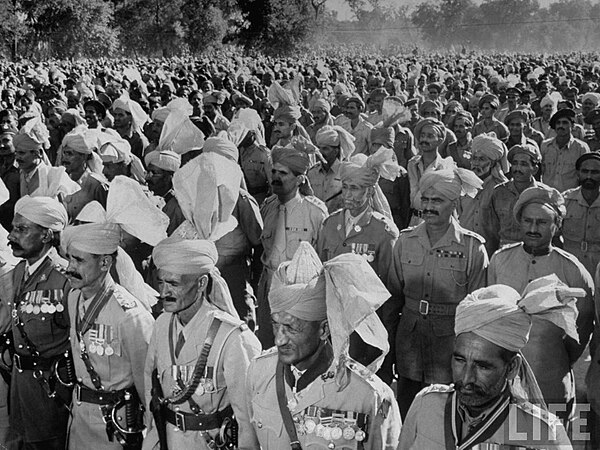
point(332, 251)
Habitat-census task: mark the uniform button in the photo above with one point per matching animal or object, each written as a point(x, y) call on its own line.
point(428, 274)
point(259, 424)
point(344, 244)
point(533, 262)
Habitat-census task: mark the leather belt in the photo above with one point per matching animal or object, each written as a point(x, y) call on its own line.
point(86, 395)
point(584, 246)
point(197, 422)
point(28, 362)
point(426, 308)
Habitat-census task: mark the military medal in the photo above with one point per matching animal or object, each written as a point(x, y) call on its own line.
point(292, 403)
point(209, 386)
point(310, 425)
point(327, 433)
point(108, 351)
point(92, 348)
point(36, 309)
point(44, 308)
point(348, 433)
point(51, 309)
point(336, 433)
point(100, 350)
point(29, 308)
point(370, 257)
point(357, 228)
point(360, 435)
point(319, 430)
point(60, 307)
point(200, 389)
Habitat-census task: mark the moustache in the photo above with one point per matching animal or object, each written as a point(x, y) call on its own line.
point(423, 143)
point(535, 235)
point(430, 211)
point(276, 183)
point(72, 274)
point(169, 299)
point(459, 386)
point(14, 245)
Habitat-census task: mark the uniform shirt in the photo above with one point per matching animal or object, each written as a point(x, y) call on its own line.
point(255, 161)
point(496, 126)
point(548, 352)
point(502, 227)
point(93, 187)
point(424, 428)
point(440, 273)
point(523, 140)
point(461, 154)
point(246, 235)
point(581, 228)
point(303, 218)
point(361, 133)
point(416, 169)
point(30, 181)
point(138, 143)
point(125, 326)
point(363, 394)
point(593, 143)
point(558, 164)
point(542, 126)
point(327, 184)
point(233, 349)
point(473, 211)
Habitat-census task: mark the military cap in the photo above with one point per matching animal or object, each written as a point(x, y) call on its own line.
point(567, 113)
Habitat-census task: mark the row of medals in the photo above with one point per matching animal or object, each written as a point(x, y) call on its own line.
point(332, 431)
point(184, 374)
point(100, 345)
point(35, 304)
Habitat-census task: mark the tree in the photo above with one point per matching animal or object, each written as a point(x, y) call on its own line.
point(205, 25)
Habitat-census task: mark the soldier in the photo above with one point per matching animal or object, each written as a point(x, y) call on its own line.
point(200, 351)
point(488, 105)
point(129, 119)
point(495, 398)
point(353, 122)
point(593, 140)
point(501, 227)
point(539, 211)
point(488, 162)
point(290, 216)
point(325, 400)
point(362, 227)
point(38, 400)
point(110, 332)
point(336, 145)
point(255, 160)
point(434, 266)
point(581, 225)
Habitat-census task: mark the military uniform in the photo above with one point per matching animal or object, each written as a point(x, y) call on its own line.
point(255, 161)
point(93, 187)
point(431, 280)
point(361, 133)
point(416, 169)
point(304, 216)
point(223, 382)
point(327, 184)
point(525, 426)
point(235, 252)
point(40, 304)
point(497, 127)
point(558, 164)
point(363, 415)
point(373, 237)
point(549, 354)
point(581, 229)
point(501, 226)
point(116, 344)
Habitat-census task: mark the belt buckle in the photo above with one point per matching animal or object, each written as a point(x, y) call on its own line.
point(180, 420)
point(18, 362)
point(584, 246)
point(424, 307)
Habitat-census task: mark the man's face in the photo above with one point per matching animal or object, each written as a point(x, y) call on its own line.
point(250, 89)
point(511, 99)
point(91, 117)
point(112, 169)
point(563, 127)
point(283, 129)
point(157, 127)
point(542, 90)
point(461, 128)
point(352, 111)
point(296, 340)
point(430, 112)
point(589, 174)
point(515, 127)
point(587, 106)
point(72, 160)
point(414, 112)
point(570, 96)
point(376, 103)
point(159, 180)
point(354, 196)
point(457, 91)
point(8, 121)
point(27, 159)
point(196, 102)
point(481, 165)
point(547, 111)
point(538, 225)
point(522, 168)
point(478, 370)
point(486, 111)
point(122, 118)
point(27, 239)
point(319, 115)
point(177, 291)
point(86, 269)
point(330, 153)
point(436, 208)
point(6, 143)
point(283, 180)
point(433, 94)
point(210, 110)
point(429, 139)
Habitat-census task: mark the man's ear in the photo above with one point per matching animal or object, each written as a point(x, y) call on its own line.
point(324, 330)
point(300, 179)
point(513, 367)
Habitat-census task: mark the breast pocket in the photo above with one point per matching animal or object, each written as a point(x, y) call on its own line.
point(453, 270)
point(573, 224)
point(266, 420)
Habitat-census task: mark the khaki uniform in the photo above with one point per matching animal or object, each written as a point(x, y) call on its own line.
point(223, 383)
point(124, 326)
point(327, 185)
point(303, 219)
point(93, 187)
point(34, 417)
point(581, 229)
point(558, 164)
point(364, 395)
point(256, 165)
point(497, 127)
point(430, 281)
point(526, 425)
point(361, 133)
point(549, 353)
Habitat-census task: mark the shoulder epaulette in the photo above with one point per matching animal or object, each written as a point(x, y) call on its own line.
point(267, 353)
point(268, 200)
point(437, 388)
point(390, 226)
point(229, 319)
point(408, 229)
point(477, 236)
point(550, 419)
point(100, 178)
point(508, 247)
point(570, 193)
point(124, 299)
point(316, 201)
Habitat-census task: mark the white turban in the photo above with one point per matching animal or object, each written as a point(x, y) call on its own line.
point(336, 136)
point(163, 159)
point(44, 211)
point(138, 115)
point(451, 183)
